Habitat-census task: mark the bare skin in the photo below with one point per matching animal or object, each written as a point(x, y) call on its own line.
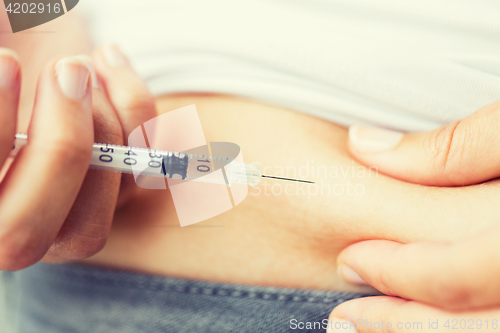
point(285, 240)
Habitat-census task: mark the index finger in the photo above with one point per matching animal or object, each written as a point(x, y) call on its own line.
point(127, 91)
point(460, 153)
point(453, 276)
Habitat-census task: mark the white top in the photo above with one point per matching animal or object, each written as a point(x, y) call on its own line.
point(408, 65)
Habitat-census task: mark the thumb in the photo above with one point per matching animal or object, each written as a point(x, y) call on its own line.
point(464, 152)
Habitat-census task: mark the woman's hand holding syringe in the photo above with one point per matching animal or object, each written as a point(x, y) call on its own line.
point(52, 206)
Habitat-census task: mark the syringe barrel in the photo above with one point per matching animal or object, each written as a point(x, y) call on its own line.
point(158, 163)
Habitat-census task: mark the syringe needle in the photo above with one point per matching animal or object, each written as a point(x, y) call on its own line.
point(290, 179)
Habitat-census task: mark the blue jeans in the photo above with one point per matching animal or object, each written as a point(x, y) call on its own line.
point(73, 298)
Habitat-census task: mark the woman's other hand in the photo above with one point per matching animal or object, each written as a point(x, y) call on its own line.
point(434, 287)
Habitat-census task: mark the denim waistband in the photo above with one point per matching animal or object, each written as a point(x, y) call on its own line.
point(74, 298)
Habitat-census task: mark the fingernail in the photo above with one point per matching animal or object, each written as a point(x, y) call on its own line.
point(73, 76)
point(114, 57)
point(349, 275)
point(337, 325)
point(90, 64)
point(9, 68)
point(373, 140)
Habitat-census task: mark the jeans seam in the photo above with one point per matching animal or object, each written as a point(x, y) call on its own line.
point(208, 291)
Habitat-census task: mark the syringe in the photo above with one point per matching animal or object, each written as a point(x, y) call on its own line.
point(167, 164)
